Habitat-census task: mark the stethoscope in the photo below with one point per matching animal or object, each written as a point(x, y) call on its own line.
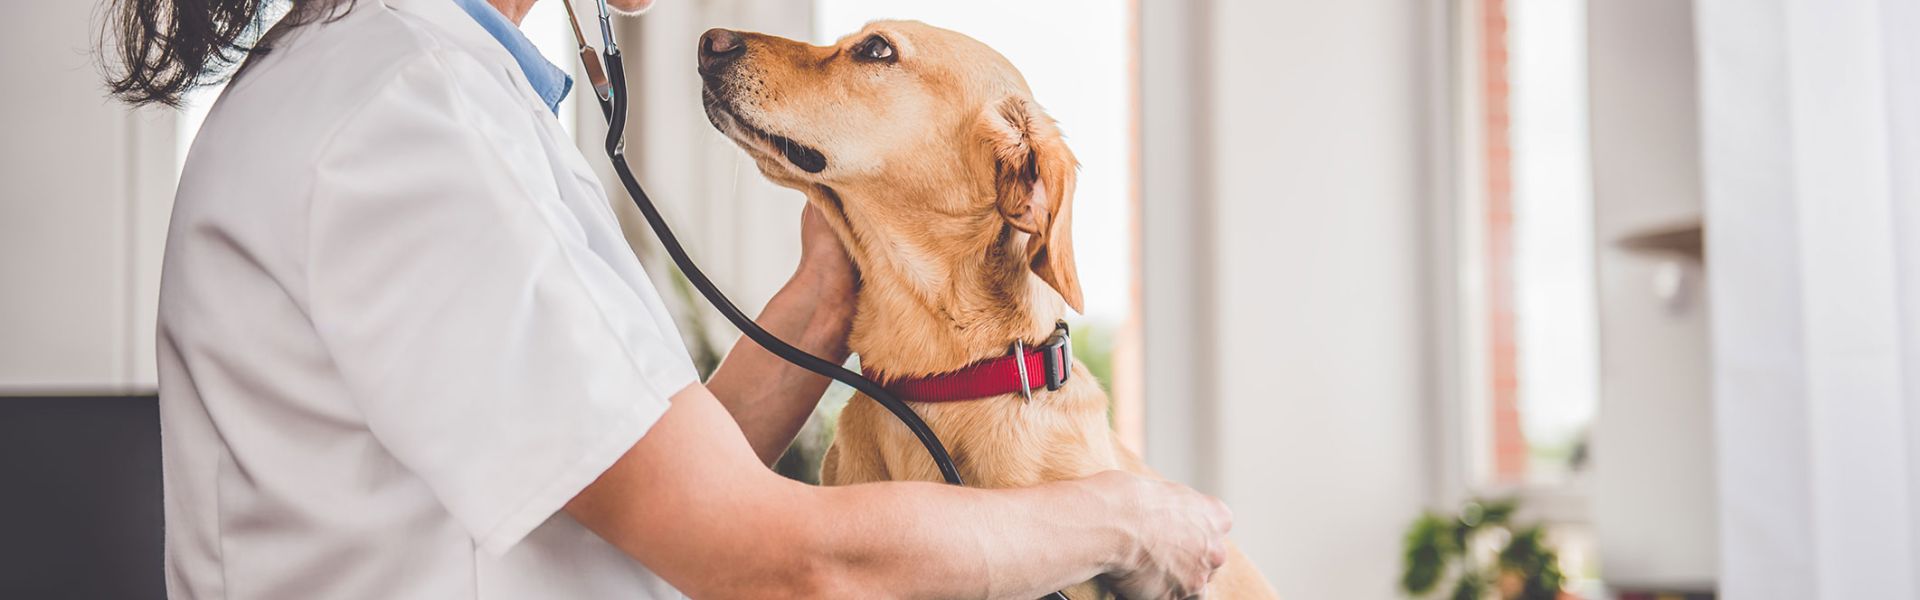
point(609, 83)
point(610, 88)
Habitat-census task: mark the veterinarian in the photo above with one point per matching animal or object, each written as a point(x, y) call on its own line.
point(405, 352)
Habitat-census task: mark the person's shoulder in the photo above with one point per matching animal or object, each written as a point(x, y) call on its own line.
point(351, 52)
point(316, 76)
point(288, 105)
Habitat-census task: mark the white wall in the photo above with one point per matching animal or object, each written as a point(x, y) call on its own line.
point(85, 188)
point(1292, 162)
point(1653, 491)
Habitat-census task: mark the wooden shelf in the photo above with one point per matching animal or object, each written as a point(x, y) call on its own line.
point(1685, 238)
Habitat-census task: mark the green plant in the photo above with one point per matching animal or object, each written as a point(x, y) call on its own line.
point(1093, 347)
point(700, 347)
point(1437, 546)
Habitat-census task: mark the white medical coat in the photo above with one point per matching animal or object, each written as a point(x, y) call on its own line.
point(399, 329)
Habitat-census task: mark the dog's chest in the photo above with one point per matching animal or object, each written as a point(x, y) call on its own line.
point(1007, 441)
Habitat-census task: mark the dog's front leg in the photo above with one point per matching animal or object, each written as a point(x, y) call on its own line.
point(854, 456)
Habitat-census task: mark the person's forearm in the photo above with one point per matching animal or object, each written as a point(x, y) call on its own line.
point(769, 397)
point(689, 502)
point(926, 540)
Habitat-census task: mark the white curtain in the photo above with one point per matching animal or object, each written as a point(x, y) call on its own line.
point(1810, 113)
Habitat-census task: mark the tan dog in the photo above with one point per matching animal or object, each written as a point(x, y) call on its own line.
point(952, 191)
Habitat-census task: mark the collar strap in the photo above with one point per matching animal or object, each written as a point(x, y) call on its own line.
point(1047, 365)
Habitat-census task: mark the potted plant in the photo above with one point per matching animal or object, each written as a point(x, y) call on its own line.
point(1482, 554)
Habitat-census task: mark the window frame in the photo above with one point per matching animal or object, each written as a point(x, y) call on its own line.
point(1461, 370)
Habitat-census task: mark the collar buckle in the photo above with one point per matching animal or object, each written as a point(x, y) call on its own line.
point(1057, 356)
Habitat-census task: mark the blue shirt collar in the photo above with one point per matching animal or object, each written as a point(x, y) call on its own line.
point(549, 82)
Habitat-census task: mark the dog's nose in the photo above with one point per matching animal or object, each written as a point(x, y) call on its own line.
point(719, 47)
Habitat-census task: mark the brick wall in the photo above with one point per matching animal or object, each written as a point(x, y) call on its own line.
point(1509, 442)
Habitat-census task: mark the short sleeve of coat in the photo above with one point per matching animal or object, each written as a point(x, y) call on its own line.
point(489, 348)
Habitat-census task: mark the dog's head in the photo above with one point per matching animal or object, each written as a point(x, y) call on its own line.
point(908, 135)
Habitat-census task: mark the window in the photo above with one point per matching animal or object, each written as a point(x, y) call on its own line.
point(1528, 222)
point(1529, 319)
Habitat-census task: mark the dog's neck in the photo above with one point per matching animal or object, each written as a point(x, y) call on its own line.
point(960, 294)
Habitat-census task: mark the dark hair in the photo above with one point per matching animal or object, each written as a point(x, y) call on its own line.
point(165, 48)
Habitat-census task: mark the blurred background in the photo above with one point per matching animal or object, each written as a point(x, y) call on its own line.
point(1447, 298)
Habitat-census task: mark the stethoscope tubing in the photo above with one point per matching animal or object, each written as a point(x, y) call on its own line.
point(616, 110)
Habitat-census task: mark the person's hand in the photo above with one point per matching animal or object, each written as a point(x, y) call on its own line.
point(824, 264)
point(630, 6)
point(817, 302)
point(1180, 537)
point(769, 398)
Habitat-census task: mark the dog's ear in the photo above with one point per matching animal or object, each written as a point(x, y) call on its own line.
point(1034, 177)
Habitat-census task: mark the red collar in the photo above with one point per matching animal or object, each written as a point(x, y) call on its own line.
point(1047, 366)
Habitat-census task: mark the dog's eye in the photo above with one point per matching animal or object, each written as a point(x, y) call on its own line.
point(874, 48)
